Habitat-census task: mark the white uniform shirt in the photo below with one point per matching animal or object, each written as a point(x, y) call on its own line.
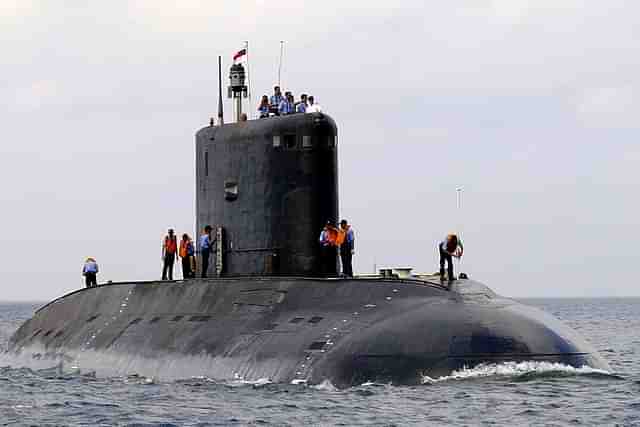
point(315, 108)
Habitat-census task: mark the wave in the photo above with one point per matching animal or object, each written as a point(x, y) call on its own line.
point(325, 385)
point(239, 382)
point(523, 371)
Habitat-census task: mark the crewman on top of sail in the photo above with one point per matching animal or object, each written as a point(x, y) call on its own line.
point(90, 271)
point(263, 108)
point(275, 99)
point(169, 252)
point(450, 247)
point(347, 248)
point(330, 239)
point(313, 107)
point(301, 106)
point(286, 105)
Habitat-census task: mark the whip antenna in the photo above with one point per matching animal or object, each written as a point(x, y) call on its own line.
point(220, 112)
point(280, 63)
point(459, 214)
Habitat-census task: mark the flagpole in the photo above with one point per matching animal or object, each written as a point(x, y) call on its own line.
point(459, 225)
point(220, 112)
point(246, 46)
point(280, 64)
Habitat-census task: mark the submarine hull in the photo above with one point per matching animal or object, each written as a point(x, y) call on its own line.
point(348, 331)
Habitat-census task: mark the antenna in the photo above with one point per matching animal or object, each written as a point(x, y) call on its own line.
point(280, 63)
point(246, 46)
point(220, 112)
point(459, 225)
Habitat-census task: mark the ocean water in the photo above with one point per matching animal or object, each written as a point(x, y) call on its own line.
point(510, 394)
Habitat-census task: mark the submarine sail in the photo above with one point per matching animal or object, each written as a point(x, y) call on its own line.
point(270, 185)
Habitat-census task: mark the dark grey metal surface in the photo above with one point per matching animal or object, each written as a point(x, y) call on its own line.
point(296, 329)
point(285, 193)
point(272, 184)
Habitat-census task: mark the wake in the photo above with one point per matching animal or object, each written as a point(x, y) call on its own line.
point(524, 371)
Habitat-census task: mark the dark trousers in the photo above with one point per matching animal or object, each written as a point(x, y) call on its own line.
point(186, 268)
point(205, 261)
point(347, 258)
point(169, 259)
point(445, 256)
point(328, 256)
point(90, 280)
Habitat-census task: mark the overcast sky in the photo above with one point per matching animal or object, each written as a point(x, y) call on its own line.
point(531, 106)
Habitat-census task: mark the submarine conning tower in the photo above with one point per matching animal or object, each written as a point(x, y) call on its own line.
point(267, 187)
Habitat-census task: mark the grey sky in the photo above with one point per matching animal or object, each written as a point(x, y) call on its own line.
point(531, 106)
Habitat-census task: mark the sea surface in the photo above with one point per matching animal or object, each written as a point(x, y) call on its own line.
point(537, 394)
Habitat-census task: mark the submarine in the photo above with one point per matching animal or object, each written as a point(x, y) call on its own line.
point(269, 309)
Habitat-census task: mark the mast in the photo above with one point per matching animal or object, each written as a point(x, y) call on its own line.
point(220, 112)
point(237, 87)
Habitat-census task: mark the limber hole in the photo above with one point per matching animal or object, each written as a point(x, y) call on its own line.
point(199, 318)
point(177, 318)
point(58, 334)
point(296, 320)
point(92, 318)
point(315, 319)
point(49, 332)
point(317, 345)
point(36, 333)
point(155, 319)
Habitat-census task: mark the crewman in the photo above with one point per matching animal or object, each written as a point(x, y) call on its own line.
point(329, 248)
point(347, 248)
point(301, 106)
point(90, 271)
point(313, 107)
point(169, 252)
point(286, 105)
point(186, 253)
point(205, 249)
point(275, 100)
point(450, 247)
point(263, 108)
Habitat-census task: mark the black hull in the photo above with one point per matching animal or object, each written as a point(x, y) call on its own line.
point(296, 330)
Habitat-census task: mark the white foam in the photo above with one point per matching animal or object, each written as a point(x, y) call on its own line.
point(512, 369)
point(325, 386)
point(242, 382)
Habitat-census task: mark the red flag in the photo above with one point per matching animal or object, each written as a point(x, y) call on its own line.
point(240, 54)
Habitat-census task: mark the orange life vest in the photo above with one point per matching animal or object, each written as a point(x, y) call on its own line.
point(451, 243)
point(184, 245)
point(334, 236)
point(170, 245)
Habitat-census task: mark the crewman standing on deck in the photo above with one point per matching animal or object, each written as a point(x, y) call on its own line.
point(449, 248)
point(347, 248)
point(169, 254)
point(206, 245)
point(90, 271)
point(329, 248)
point(186, 253)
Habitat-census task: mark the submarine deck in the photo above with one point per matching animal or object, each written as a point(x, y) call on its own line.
point(289, 329)
point(460, 287)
